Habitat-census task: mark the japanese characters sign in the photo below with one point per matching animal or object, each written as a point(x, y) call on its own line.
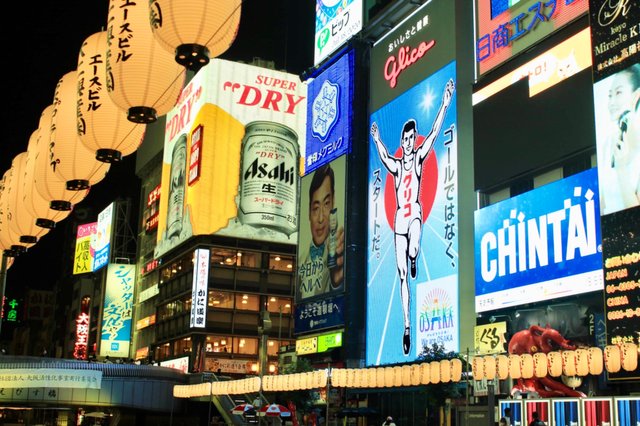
point(505, 29)
point(199, 290)
point(83, 258)
point(330, 96)
point(102, 240)
point(336, 22)
point(490, 338)
point(319, 315)
point(116, 314)
point(50, 377)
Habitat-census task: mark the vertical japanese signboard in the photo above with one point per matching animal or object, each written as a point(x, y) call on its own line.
point(102, 240)
point(83, 258)
point(199, 289)
point(116, 314)
point(412, 275)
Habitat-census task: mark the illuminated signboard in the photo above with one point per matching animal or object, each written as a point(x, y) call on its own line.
point(336, 22)
point(307, 345)
point(322, 219)
point(329, 114)
point(412, 272)
point(102, 241)
point(83, 258)
point(10, 308)
point(540, 245)
point(545, 70)
point(146, 322)
point(322, 314)
point(181, 364)
point(490, 338)
point(329, 341)
point(247, 127)
point(504, 32)
point(82, 332)
point(148, 293)
point(150, 215)
point(226, 365)
point(199, 289)
point(116, 314)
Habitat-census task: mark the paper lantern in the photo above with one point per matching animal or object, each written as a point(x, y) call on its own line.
point(101, 125)
point(10, 240)
point(554, 362)
point(434, 368)
point(397, 376)
point(195, 30)
point(20, 220)
point(73, 162)
point(596, 363)
point(445, 371)
point(415, 374)
point(540, 364)
point(629, 356)
point(425, 373)
point(477, 367)
point(569, 363)
point(582, 362)
point(456, 370)
point(526, 366)
point(406, 375)
point(320, 378)
point(142, 77)
point(351, 378)
point(50, 186)
point(338, 377)
point(36, 205)
point(388, 377)
point(358, 380)
point(380, 379)
point(502, 364)
point(490, 367)
point(515, 369)
point(612, 360)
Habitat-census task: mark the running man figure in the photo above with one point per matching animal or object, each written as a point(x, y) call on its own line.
point(407, 174)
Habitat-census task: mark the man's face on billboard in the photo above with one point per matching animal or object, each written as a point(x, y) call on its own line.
point(408, 141)
point(320, 206)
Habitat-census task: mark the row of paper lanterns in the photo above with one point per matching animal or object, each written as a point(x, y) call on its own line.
point(579, 362)
point(126, 76)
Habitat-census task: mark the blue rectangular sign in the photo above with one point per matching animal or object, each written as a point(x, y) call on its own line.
point(540, 245)
point(329, 115)
point(319, 315)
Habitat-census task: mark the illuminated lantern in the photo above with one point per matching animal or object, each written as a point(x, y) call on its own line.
point(629, 356)
point(101, 126)
point(539, 364)
point(526, 366)
point(397, 376)
point(456, 370)
point(320, 378)
point(477, 367)
point(338, 377)
point(490, 367)
point(142, 77)
point(266, 383)
point(358, 377)
point(50, 186)
point(515, 368)
point(502, 363)
point(415, 374)
point(351, 377)
point(612, 360)
point(20, 220)
point(406, 375)
point(10, 240)
point(388, 377)
point(554, 361)
point(380, 377)
point(582, 362)
point(425, 373)
point(434, 368)
point(36, 205)
point(195, 30)
point(569, 363)
point(445, 370)
point(73, 162)
point(595, 361)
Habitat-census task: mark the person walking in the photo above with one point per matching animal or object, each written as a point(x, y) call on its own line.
point(535, 420)
point(389, 422)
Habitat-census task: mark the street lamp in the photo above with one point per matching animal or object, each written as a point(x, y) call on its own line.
point(263, 331)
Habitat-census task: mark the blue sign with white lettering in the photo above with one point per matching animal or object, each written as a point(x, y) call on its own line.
point(329, 114)
point(325, 313)
point(540, 245)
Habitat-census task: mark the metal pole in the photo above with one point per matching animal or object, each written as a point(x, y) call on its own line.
point(280, 325)
point(3, 278)
point(210, 402)
point(328, 391)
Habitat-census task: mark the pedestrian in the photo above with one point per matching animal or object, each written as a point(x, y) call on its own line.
point(506, 418)
point(535, 420)
point(389, 422)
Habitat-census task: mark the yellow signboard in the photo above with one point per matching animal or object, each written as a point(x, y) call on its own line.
point(490, 338)
point(307, 346)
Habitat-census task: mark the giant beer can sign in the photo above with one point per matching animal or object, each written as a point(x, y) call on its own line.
point(232, 157)
point(269, 180)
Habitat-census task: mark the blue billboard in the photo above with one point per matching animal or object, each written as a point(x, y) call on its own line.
point(329, 116)
point(540, 245)
point(320, 315)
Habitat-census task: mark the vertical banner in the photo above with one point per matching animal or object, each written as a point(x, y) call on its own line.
point(329, 115)
point(412, 297)
point(116, 315)
point(231, 161)
point(336, 22)
point(84, 254)
point(199, 288)
point(102, 240)
point(321, 246)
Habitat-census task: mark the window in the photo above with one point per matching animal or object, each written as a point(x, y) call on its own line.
point(275, 304)
point(247, 302)
point(220, 299)
point(245, 345)
point(218, 343)
point(280, 262)
point(173, 308)
point(229, 257)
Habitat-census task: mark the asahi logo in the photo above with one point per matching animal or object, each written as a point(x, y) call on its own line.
point(280, 172)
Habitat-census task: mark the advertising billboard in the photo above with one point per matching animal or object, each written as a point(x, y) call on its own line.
point(336, 22)
point(322, 221)
point(319, 315)
point(329, 117)
point(541, 245)
point(84, 254)
point(102, 240)
point(115, 334)
point(199, 290)
point(412, 273)
point(507, 28)
point(231, 161)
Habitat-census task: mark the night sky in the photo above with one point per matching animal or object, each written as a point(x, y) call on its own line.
point(41, 44)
